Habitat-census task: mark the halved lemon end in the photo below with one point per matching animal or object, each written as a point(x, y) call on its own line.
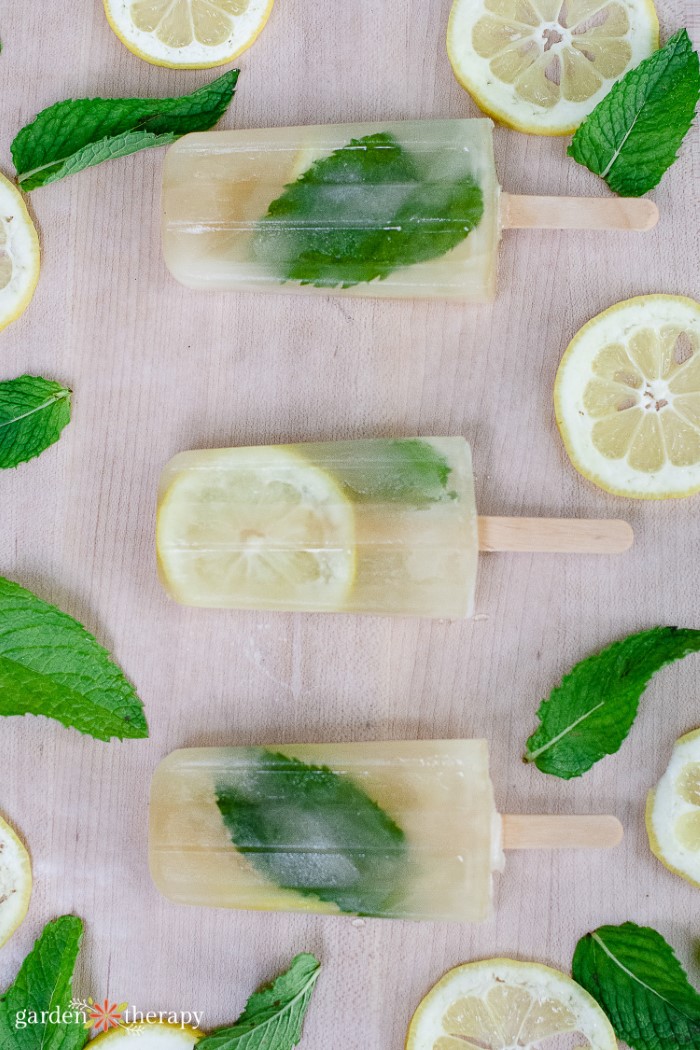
point(157, 1035)
point(541, 66)
point(258, 528)
point(627, 398)
point(502, 1003)
point(15, 881)
point(673, 811)
point(19, 254)
point(187, 34)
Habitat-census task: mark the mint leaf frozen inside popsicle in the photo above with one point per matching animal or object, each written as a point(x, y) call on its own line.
point(309, 829)
point(366, 210)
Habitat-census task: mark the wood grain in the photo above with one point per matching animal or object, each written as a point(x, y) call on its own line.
point(522, 212)
point(554, 535)
point(576, 832)
point(157, 369)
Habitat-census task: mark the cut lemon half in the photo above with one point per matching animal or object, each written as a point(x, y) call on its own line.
point(19, 254)
point(673, 811)
point(15, 881)
point(541, 66)
point(501, 1003)
point(627, 398)
point(254, 528)
point(154, 1035)
point(187, 34)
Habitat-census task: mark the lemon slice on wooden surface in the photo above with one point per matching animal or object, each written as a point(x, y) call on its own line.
point(501, 1003)
point(188, 34)
point(19, 254)
point(541, 66)
point(254, 528)
point(157, 1035)
point(15, 881)
point(627, 398)
point(673, 811)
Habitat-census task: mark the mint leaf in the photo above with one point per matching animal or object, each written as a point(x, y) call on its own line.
point(43, 986)
point(274, 1016)
point(409, 212)
point(50, 665)
point(637, 979)
point(591, 712)
point(394, 470)
point(633, 135)
point(78, 133)
point(355, 856)
point(33, 412)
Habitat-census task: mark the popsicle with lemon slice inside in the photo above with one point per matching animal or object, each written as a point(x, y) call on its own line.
point(404, 829)
point(384, 526)
point(408, 209)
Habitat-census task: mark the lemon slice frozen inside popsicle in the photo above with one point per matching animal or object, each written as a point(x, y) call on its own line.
point(254, 528)
point(541, 66)
point(673, 811)
point(502, 1003)
point(627, 398)
point(187, 34)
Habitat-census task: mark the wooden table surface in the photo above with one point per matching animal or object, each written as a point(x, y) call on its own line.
point(157, 369)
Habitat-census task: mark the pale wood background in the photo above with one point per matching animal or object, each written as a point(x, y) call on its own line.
point(157, 369)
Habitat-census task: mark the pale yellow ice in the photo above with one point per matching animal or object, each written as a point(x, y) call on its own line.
point(383, 526)
point(438, 794)
point(218, 185)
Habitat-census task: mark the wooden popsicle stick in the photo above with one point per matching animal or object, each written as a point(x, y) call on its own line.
point(577, 213)
point(555, 535)
point(535, 832)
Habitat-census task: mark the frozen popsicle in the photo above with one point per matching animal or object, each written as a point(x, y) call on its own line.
point(384, 526)
point(408, 209)
point(400, 830)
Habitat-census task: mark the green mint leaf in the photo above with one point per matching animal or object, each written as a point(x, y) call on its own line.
point(633, 135)
point(43, 986)
point(274, 1016)
point(33, 412)
point(395, 470)
point(410, 214)
point(50, 665)
point(78, 133)
point(589, 714)
point(358, 855)
point(637, 979)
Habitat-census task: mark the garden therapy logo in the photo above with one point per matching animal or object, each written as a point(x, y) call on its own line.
point(105, 1015)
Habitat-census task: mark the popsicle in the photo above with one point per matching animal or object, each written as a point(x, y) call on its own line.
point(408, 209)
point(400, 830)
point(383, 526)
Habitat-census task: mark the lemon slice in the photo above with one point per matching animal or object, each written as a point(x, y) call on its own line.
point(627, 398)
point(156, 1035)
point(187, 34)
point(673, 811)
point(254, 528)
point(19, 254)
point(15, 882)
point(541, 66)
point(501, 1003)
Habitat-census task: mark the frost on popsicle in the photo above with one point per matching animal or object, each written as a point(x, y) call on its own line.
point(367, 209)
point(313, 831)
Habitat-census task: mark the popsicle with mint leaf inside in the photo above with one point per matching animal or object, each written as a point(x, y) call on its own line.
point(407, 209)
point(405, 829)
point(384, 526)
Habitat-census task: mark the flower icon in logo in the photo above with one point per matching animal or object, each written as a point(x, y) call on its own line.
point(105, 1015)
